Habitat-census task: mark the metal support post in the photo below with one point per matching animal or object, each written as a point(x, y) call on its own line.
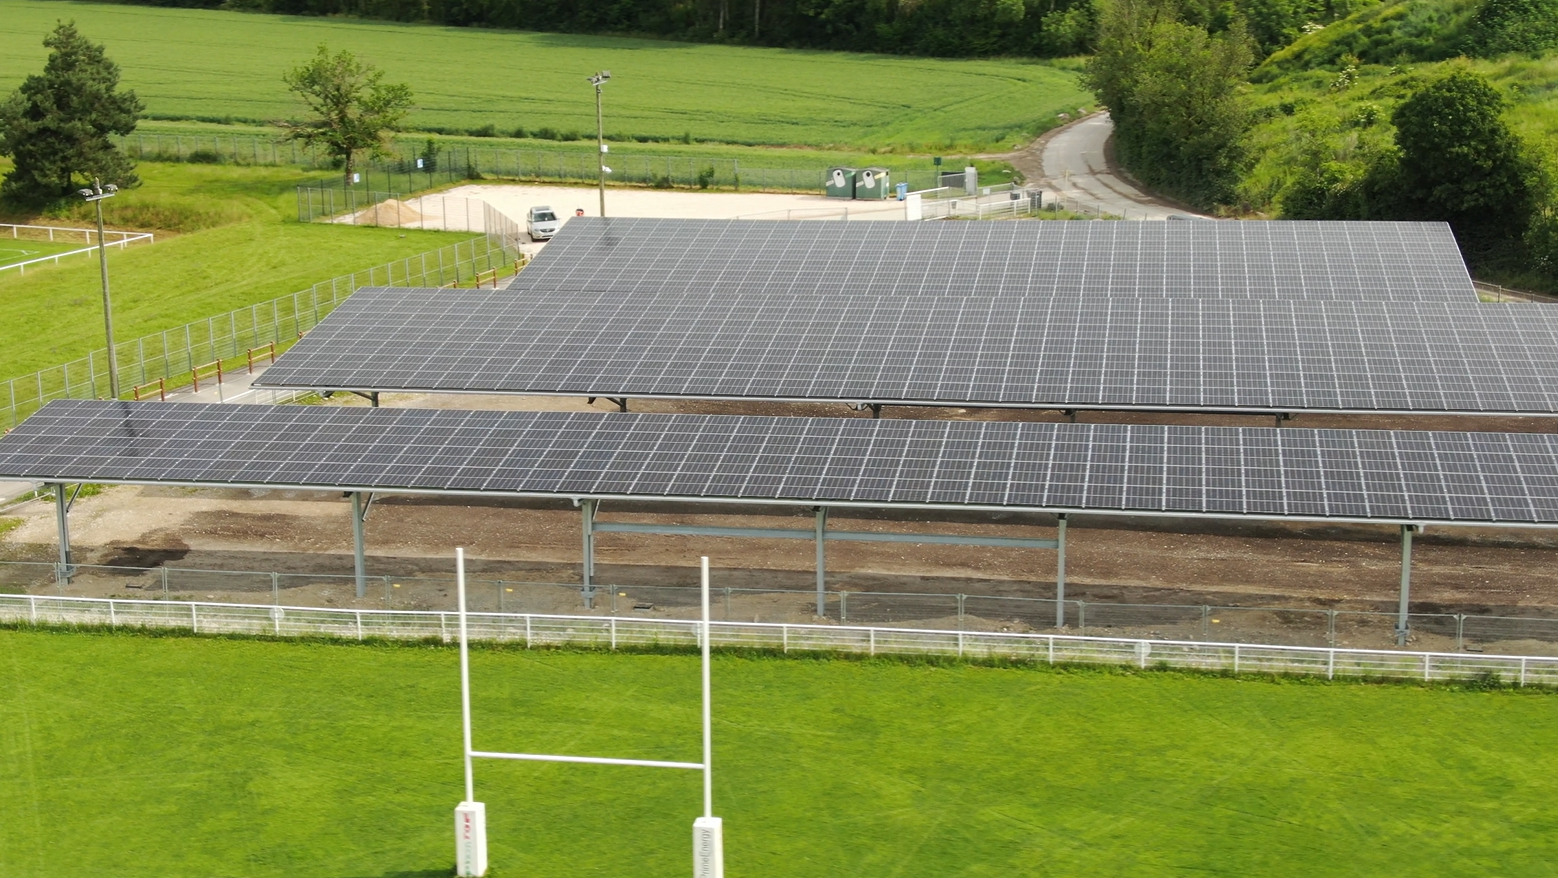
point(61, 512)
point(822, 528)
point(1060, 571)
point(359, 564)
point(1406, 584)
point(588, 567)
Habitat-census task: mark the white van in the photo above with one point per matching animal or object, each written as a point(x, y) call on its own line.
point(542, 223)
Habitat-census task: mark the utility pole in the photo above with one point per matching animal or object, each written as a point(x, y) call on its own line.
point(598, 80)
point(96, 194)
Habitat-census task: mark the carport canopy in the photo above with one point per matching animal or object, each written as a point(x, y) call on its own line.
point(1403, 478)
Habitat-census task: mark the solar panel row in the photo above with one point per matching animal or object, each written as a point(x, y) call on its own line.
point(1381, 261)
point(1066, 353)
point(1351, 474)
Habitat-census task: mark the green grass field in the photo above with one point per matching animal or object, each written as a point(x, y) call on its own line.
point(12, 252)
point(140, 756)
point(216, 65)
point(241, 245)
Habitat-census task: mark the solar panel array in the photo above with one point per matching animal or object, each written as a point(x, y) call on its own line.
point(1264, 472)
point(1372, 261)
point(1065, 353)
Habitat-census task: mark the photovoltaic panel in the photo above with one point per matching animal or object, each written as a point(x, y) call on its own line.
point(1370, 261)
point(1366, 475)
point(1255, 355)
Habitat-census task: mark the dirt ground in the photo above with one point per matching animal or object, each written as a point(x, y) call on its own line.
point(1122, 560)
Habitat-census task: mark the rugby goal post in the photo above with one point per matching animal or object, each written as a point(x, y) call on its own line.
point(470, 816)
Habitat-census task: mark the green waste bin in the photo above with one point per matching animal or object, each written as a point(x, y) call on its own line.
point(872, 184)
point(840, 183)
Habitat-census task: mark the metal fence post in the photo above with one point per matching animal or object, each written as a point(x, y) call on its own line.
point(194, 618)
point(275, 588)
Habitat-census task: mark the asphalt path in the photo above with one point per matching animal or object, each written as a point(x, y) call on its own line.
point(1072, 162)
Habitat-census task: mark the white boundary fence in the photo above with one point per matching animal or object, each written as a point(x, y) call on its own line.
point(53, 234)
point(616, 632)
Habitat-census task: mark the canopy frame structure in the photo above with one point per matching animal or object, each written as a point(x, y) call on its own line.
point(1481, 480)
point(820, 535)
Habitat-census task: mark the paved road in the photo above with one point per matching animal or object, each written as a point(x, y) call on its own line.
point(1071, 162)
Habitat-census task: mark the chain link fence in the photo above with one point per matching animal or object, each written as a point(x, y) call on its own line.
point(437, 213)
point(414, 167)
point(614, 632)
point(172, 355)
point(1290, 626)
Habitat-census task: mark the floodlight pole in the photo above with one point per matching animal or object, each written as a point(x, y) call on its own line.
point(96, 195)
point(598, 80)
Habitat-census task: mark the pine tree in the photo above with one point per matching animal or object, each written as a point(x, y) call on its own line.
point(56, 126)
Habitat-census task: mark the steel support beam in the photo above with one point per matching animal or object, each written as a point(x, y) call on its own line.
point(1060, 572)
point(822, 551)
point(359, 559)
point(789, 533)
point(1406, 584)
point(62, 520)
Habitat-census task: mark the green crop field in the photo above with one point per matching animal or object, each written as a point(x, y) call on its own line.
point(208, 64)
point(237, 248)
point(131, 755)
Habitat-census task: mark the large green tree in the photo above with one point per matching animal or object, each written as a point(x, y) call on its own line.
point(1174, 91)
point(354, 109)
point(1460, 162)
point(56, 126)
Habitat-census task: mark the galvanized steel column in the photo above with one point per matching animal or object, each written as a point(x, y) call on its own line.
point(1060, 572)
point(1406, 584)
point(588, 507)
point(359, 563)
point(822, 526)
point(60, 511)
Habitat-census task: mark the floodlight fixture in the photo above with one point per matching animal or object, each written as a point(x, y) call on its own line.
point(95, 195)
